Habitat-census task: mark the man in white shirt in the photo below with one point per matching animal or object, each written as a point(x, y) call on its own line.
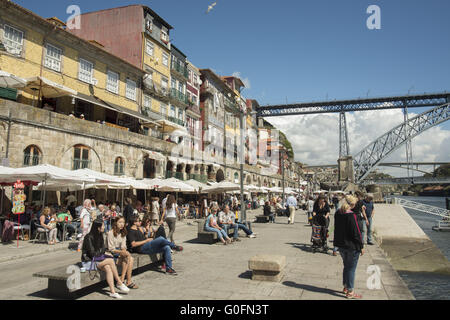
point(291, 202)
point(70, 198)
point(227, 216)
point(310, 208)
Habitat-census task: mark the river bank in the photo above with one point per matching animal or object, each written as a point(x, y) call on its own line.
point(411, 252)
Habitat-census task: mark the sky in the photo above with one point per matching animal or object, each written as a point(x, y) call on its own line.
point(309, 50)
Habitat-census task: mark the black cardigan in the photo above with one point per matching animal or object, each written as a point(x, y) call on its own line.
point(347, 231)
point(90, 249)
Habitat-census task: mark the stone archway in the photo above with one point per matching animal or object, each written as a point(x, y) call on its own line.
point(220, 176)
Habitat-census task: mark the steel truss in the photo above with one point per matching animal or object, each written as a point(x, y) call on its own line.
point(374, 153)
point(425, 100)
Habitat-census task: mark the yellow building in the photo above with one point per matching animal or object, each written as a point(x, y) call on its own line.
point(65, 73)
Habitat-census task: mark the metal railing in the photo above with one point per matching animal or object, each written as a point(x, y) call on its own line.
point(436, 211)
point(180, 69)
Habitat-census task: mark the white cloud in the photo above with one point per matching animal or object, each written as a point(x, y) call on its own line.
point(315, 138)
point(246, 81)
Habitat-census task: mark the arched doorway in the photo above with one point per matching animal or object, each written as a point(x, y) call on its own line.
point(220, 175)
point(149, 168)
point(169, 169)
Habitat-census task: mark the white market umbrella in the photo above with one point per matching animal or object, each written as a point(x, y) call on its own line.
point(223, 186)
point(197, 185)
point(8, 80)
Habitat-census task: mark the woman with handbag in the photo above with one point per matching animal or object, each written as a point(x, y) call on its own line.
point(117, 245)
point(93, 258)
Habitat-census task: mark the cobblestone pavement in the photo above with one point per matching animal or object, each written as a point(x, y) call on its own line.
point(210, 272)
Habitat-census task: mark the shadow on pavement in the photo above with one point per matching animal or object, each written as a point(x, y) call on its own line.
point(246, 275)
point(301, 246)
point(313, 288)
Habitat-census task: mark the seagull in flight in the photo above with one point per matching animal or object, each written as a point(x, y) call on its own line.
point(211, 7)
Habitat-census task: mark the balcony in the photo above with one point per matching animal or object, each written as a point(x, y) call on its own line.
point(81, 164)
point(176, 121)
point(194, 108)
point(177, 97)
point(181, 70)
point(148, 112)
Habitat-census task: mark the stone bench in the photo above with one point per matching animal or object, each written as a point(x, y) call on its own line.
point(267, 267)
point(208, 237)
point(57, 278)
point(262, 219)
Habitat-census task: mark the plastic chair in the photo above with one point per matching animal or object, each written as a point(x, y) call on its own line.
point(39, 231)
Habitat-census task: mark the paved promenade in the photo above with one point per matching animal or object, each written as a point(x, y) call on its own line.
point(210, 272)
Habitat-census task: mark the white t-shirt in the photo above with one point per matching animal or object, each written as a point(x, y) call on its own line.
point(310, 206)
point(86, 217)
point(172, 213)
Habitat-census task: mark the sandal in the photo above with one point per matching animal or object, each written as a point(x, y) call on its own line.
point(353, 295)
point(345, 291)
point(132, 286)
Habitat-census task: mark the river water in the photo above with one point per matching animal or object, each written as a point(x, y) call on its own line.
point(427, 286)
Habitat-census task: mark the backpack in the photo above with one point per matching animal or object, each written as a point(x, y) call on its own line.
point(8, 231)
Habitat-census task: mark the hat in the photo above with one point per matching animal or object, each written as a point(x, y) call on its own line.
point(82, 116)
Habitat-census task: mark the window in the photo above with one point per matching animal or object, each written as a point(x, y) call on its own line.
point(112, 82)
point(53, 57)
point(165, 59)
point(131, 90)
point(164, 84)
point(119, 166)
point(13, 40)
point(173, 111)
point(147, 101)
point(149, 48)
point(181, 114)
point(163, 110)
point(86, 71)
point(31, 156)
point(149, 25)
point(81, 157)
point(164, 35)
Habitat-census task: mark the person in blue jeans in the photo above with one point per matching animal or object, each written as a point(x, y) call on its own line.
point(226, 221)
point(139, 243)
point(212, 226)
point(368, 203)
point(347, 236)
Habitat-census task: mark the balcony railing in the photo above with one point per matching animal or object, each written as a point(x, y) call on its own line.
point(81, 164)
point(180, 69)
point(31, 160)
point(179, 96)
point(176, 120)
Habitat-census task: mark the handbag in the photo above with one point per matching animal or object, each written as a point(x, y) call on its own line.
point(95, 261)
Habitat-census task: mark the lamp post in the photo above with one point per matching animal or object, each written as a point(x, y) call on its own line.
point(241, 160)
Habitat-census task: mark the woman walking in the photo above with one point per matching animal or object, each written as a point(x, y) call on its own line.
point(170, 213)
point(347, 236)
point(93, 258)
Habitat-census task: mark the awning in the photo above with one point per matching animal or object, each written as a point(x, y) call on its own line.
point(49, 89)
point(169, 126)
point(8, 80)
point(154, 155)
point(93, 100)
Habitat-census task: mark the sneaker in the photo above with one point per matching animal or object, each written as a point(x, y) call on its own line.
point(171, 272)
point(123, 288)
point(115, 295)
point(178, 248)
point(163, 267)
point(252, 236)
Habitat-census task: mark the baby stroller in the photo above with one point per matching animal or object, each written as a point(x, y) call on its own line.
point(319, 237)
